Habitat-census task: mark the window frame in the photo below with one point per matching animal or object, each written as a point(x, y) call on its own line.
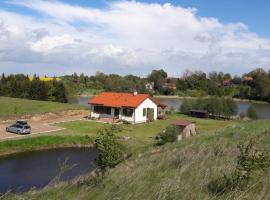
point(144, 112)
point(128, 112)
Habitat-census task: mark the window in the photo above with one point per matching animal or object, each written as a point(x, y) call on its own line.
point(144, 112)
point(98, 109)
point(102, 110)
point(107, 110)
point(128, 112)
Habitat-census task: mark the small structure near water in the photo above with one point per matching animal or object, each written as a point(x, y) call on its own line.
point(186, 128)
point(199, 113)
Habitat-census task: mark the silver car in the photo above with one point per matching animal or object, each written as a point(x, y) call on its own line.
point(19, 129)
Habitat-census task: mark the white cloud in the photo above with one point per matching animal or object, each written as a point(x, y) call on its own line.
point(126, 37)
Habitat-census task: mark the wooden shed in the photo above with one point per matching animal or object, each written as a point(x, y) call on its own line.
point(186, 128)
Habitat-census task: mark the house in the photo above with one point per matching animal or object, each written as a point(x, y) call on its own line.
point(186, 128)
point(248, 78)
point(169, 86)
point(131, 107)
point(199, 113)
point(150, 85)
point(226, 82)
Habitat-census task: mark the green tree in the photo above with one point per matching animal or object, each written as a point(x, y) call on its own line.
point(186, 106)
point(110, 150)
point(159, 78)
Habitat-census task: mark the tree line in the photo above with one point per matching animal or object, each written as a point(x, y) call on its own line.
point(254, 85)
point(20, 86)
point(216, 107)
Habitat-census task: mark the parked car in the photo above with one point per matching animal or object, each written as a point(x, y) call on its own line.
point(19, 129)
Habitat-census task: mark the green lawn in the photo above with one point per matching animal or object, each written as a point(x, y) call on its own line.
point(178, 170)
point(12, 107)
point(140, 136)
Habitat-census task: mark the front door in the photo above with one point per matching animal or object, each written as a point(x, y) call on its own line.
point(116, 112)
point(150, 114)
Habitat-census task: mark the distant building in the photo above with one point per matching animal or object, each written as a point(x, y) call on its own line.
point(226, 82)
point(248, 78)
point(150, 85)
point(199, 113)
point(169, 85)
point(185, 128)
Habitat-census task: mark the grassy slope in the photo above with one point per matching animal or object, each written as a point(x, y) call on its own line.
point(11, 107)
point(180, 170)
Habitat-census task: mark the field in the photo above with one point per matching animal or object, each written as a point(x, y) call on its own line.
point(13, 107)
point(180, 170)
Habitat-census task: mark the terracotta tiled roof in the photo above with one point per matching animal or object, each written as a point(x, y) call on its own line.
point(181, 122)
point(117, 99)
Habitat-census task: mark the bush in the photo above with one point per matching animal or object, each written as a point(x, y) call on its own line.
point(111, 152)
point(186, 106)
point(249, 161)
point(251, 113)
point(170, 134)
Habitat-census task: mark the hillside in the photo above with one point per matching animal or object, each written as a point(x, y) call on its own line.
point(12, 107)
point(180, 170)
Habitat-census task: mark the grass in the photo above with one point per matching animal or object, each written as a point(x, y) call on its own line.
point(180, 170)
point(14, 107)
point(141, 136)
point(42, 142)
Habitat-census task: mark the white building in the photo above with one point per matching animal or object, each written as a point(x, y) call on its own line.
point(131, 107)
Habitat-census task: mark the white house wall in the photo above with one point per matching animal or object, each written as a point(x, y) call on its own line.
point(126, 118)
point(147, 103)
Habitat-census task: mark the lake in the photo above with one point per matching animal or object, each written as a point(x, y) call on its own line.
point(22, 171)
point(263, 109)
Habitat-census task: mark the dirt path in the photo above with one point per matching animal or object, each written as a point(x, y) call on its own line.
point(44, 123)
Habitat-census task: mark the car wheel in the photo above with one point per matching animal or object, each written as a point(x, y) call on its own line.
point(19, 132)
point(7, 130)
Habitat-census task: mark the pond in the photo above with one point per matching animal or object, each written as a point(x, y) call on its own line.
point(263, 109)
point(22, 171)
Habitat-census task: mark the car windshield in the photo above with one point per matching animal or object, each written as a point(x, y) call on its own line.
point(21, 122)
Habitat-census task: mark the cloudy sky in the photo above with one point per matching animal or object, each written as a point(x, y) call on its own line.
point(62, 37)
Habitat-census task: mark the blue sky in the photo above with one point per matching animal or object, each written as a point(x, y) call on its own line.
point(134, 36)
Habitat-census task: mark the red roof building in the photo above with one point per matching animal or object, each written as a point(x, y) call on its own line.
point(131, 107)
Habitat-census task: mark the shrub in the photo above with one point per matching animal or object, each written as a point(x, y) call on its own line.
point(111, 152)
point(249, 161)
point(251, 113)
point(186, 106)
point(170, 134)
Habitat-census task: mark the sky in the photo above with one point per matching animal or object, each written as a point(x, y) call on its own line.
point(133, 37)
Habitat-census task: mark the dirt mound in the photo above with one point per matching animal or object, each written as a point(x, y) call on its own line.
point(63, 114)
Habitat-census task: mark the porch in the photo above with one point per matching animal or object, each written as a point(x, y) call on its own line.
point(112, 114)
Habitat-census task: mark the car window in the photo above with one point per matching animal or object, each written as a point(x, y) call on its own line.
point(27, 127)
point(18, 126)
point(21, 122)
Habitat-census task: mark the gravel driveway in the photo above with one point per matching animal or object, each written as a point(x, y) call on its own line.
point(37, 127)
